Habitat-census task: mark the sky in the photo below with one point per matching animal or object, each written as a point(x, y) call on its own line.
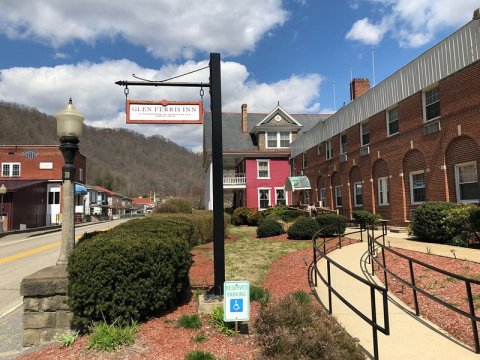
point(300, 54)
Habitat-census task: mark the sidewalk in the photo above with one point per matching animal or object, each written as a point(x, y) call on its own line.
point(410, 337)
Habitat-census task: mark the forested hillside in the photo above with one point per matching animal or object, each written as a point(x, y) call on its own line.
point(120, 159)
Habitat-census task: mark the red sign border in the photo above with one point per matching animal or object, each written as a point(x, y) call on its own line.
point(164, 103)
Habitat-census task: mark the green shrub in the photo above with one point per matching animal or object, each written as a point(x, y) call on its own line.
point(252, 218)
point(332, 224)
point(110, 337)
point(269, 228)
point(174, 205)
point(475, 218)
point(216, 319)
point(129, 273)
point(199, 355)
point(366, 217)
point(438, 221)
point(166, 209)
point(290, 215)
point(459, 240)
point(259, 294)
point(189, 321)
point(302, 297)
point(240, 215)
point(303, 229)
point(289, 329)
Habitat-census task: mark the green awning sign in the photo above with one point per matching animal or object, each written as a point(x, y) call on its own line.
point(295, 183)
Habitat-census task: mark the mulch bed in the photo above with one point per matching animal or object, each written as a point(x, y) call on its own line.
point(447, 288)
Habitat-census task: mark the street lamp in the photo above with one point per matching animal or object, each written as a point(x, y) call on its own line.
point(3, 191)
point(69, 128)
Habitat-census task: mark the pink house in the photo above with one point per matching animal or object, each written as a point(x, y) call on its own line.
point(256, 151)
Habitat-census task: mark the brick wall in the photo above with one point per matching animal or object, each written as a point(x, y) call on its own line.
point(397, 155)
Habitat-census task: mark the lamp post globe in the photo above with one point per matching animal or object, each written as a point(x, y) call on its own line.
point(69, 128)
point(3, 191)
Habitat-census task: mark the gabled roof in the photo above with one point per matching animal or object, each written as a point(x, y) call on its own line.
point(279, 111)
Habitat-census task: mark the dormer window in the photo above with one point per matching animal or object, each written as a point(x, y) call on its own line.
point(278, 139)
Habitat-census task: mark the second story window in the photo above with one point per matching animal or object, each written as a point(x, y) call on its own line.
point(432, 104)
point(10, 169)
point(328, 149)
point(263, 169)
point(278, 139)
point(392, 121)
point(343, 143)
point(364, 134)
point(304, 160)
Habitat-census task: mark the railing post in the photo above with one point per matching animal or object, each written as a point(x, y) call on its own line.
point(384, 268)
point(339, 235)
point(374, 323)
point(372, 248)
point(315, 260)
point(412, 280)
point(473, 316)
point(329, 281)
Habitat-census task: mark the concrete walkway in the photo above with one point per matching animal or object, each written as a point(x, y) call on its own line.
point(410, 337)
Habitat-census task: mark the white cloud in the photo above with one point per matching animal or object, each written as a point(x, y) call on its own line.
point(366, 32)
point(412, 23)
point(169, 28)
point(92, 87)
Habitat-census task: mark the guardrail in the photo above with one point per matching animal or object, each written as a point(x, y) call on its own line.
point(320, 252)
point(375, 244)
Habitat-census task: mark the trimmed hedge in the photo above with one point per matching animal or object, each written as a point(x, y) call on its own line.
point(131, 273)
point(175, 205)
point(269, 228)
point(366, 217)
point(332, 224)
point(440, 222)
point(303, 229)
point(240, 216)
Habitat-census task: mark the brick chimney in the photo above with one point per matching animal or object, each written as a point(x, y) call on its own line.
point(244, 119)
point(358, 87)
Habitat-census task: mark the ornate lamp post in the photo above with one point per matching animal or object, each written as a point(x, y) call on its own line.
point(69, 128)
point(3, 191)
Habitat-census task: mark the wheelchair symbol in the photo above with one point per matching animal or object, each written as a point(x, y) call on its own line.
point(236, 305)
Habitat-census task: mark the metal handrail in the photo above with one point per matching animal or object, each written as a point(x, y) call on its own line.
point(468, 282)
point(320, 252)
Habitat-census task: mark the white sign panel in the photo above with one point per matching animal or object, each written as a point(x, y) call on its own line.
point(164, 112)
point(236, 300)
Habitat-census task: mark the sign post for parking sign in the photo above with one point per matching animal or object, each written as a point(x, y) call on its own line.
point(236, 301)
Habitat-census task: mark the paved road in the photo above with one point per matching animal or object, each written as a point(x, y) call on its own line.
point(20, 256)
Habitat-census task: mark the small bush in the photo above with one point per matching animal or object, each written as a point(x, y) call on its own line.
point(332, 224)
point(440, 222)
point(110, 337)
point(252, 218)
point(259, 294)
point(175, 205)
point(216, 319)
point(459, 240)
point(269, 228)
point(475, 218)
point(290, 215)
point(240, 216)
point(302, 297)
point(294, 330)
point(366, 217)
point(189, 321)
point(199, 355)
point(303, 229)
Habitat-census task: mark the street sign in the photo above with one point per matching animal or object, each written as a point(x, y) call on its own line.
point(236, 301)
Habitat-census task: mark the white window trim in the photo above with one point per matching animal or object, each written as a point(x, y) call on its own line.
point(319, 150)
point(355, 194)
point(269, 197)
point(424, 104)
point(324, 198)
point(304, 161)
point(328, 150)
point(361, 133)
point(457, 179)
point(411, 186)
point(346, 144)
point(285, 192)
point(379, 181)
point(278, 140)
point(10, 169)
point(338, 187)
point(258, 169)
point(388, 121)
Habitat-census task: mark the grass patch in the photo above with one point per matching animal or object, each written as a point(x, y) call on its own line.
point(189, 321)
point(216, 319)
point(110, 337)
point(201, 337)
point(249, 258)
point(199, 355)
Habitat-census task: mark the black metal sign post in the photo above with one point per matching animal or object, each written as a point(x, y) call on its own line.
point(217, 162)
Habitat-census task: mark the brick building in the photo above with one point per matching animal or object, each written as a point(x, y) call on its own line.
point(32, 175)
point(414, 137)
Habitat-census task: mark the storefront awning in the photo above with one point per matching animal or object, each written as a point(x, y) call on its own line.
point(295, 183)
point(80, 189)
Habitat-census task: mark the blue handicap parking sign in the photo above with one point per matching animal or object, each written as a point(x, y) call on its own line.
point(236, 305)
